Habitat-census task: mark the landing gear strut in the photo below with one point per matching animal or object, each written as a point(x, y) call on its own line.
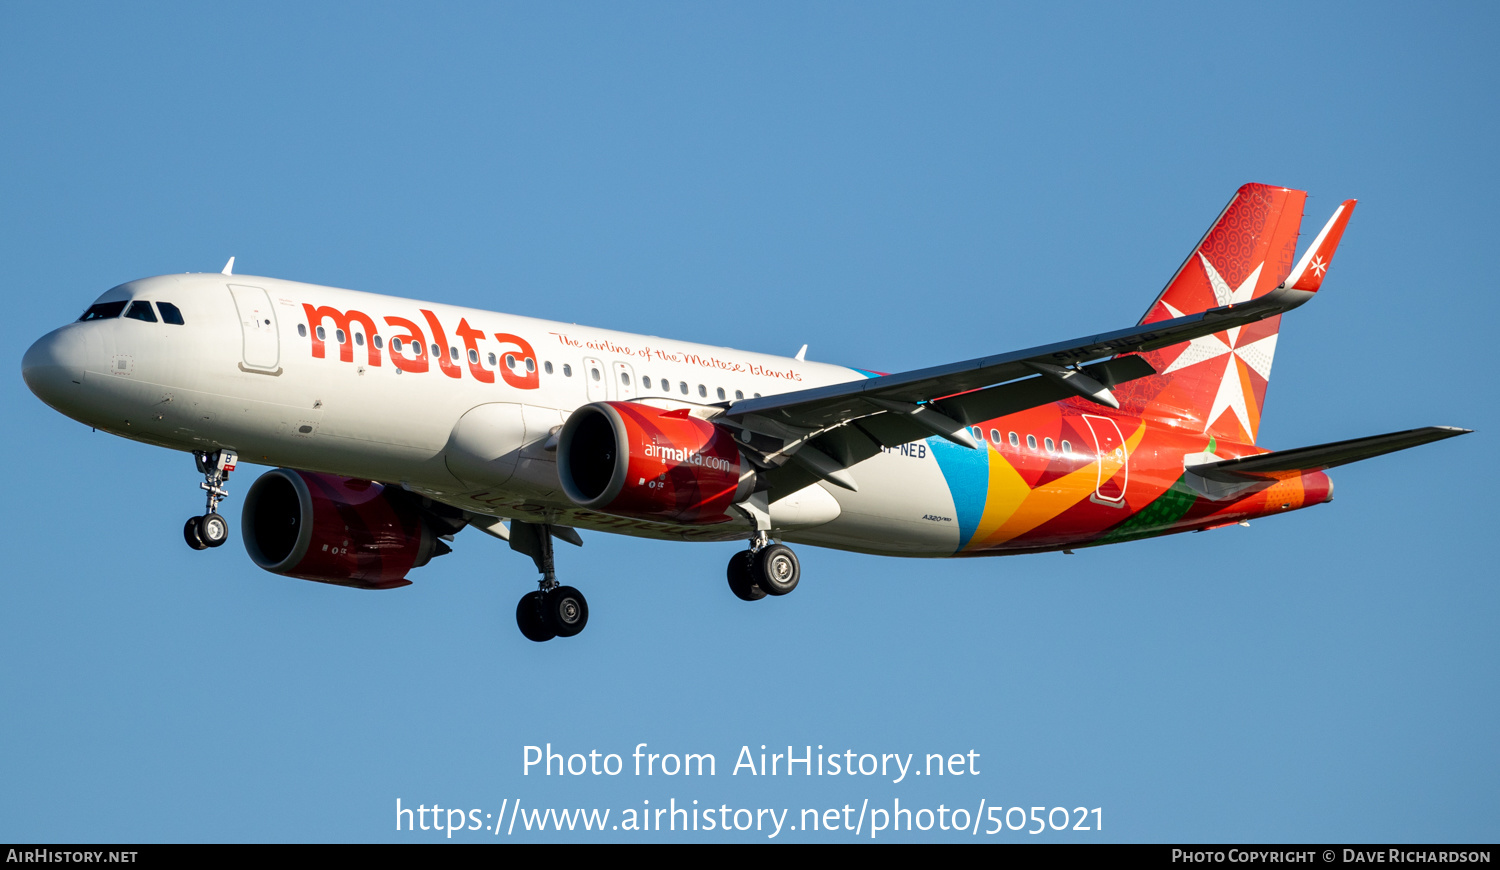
point(764, 569)
point(211, 530)
point(553, 610)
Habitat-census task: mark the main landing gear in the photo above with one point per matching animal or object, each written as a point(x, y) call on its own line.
point(553, 610)
point(211, 530)
point(764, 569)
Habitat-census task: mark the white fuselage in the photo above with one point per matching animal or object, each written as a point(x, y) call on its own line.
point(242, 372)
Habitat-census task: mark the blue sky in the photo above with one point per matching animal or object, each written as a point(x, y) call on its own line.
point(894, 185)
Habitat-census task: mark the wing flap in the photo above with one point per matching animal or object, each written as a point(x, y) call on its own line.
point(998, 401)
point(1270, 466)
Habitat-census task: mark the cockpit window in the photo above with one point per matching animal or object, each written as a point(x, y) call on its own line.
point(170, 314)
point(141, 310)
point(103, 311)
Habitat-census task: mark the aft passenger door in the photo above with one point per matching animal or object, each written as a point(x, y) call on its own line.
point(1113, 460)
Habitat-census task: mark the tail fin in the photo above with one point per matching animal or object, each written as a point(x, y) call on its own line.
point(1217, 384)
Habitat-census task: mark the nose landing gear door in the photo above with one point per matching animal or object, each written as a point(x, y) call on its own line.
point(262, 347)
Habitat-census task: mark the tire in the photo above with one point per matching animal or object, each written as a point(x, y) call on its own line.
point(741, 583)
point(531, 620)
point(213, 530)
point(567, 611)
point(776, 570)
point(190, 534)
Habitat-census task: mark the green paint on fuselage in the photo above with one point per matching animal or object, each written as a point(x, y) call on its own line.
point(1155, 518)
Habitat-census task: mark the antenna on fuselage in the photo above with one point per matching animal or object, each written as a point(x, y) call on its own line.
point(801, 354)
point(228, 267)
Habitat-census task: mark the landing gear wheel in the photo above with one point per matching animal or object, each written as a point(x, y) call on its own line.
point(567, 610)
point(776, 570)
point(190, 534)
point(531, 619)
point(741, 583)
point(213, 530)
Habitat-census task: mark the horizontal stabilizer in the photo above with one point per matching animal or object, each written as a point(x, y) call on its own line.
point(1269, 466)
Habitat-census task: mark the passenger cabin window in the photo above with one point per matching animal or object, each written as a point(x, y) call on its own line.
point(547, 367)
point(322, 334)
point(567, 370)
point(1030, 442)
point(721, 393)
point(359, 339)
point(739, 394)
point(103, 311)
point(339, 334)
point(530, 364)
point(170, 314)
point(301, 327)
point(141, 310)
point(646, 381)
point(702, 391)
point(1014, 441)
point(473, 356)
point(1050, 446)
point(683, 386)
point(995, 436)
point(378, 342)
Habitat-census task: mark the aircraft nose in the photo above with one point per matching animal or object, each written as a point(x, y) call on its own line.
point(53, 367)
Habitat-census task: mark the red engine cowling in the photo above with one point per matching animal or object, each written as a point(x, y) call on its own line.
point(336, 530)
point(638, 461)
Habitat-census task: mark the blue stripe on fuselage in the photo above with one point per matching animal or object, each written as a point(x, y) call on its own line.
point(967, 473)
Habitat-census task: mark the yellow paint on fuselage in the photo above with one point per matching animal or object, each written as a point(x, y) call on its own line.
point(1012, 508)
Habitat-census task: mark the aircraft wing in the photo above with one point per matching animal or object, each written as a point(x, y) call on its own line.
point(945, 399)
point(1270, 466)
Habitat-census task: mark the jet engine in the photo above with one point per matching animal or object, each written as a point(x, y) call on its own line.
point(338, 530)
point(637, 461)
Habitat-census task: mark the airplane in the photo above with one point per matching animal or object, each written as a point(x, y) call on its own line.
point(393, 424)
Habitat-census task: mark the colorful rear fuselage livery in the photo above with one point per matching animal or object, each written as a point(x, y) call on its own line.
point(395, 424)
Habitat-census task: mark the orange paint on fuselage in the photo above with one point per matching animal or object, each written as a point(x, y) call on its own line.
point(1049, 499)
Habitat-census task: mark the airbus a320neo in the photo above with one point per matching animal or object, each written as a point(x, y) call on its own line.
point(393, 424)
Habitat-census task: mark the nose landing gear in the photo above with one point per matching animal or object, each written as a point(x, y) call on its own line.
point(211, 530)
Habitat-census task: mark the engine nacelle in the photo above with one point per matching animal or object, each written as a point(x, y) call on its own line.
point(338, 530)
point(637, 461)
